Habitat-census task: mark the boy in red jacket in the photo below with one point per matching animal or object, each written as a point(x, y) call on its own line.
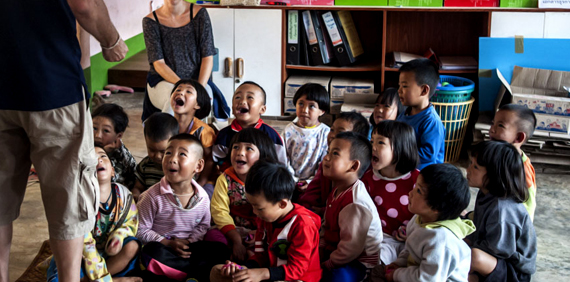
point(287, 237)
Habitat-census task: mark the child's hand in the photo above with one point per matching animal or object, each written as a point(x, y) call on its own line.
point(111, 147)
point(302, 186)
point(113, 247)
point(251, 275)
point(400, 234)
point(230, 268)
point(239, 252)
point(180, 247)
point(136, 193)
point(389, 270)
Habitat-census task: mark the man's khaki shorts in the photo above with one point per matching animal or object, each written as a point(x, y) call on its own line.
point(59, 143)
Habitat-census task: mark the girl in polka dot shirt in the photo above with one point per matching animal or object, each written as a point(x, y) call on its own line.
point(392, 176)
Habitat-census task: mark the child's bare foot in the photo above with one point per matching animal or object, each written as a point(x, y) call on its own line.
point(127, 279)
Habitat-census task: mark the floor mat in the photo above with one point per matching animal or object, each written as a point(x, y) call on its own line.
point(34, 273)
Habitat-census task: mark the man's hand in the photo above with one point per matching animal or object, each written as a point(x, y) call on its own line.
point(116, 53)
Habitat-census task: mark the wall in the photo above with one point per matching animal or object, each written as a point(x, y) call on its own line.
point(127, 17)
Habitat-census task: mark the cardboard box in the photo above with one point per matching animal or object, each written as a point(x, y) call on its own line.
point(471, 3)
point(519, 3)
point(361, 103)
point(294, 82)
point(289, 107)
point(543, 104)
point(341, 86)
point(416, 3)
point(548, 83)
point(555, 4)
point(335, 107)
point(361, 2)
point(552, 123)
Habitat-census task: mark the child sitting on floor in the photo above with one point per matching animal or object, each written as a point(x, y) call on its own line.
point(231, 211)
point(418, 81)
point(111, 249)
point(191, 103)
point(175, 216)
point(387, 107)
point(352, 232)
point(515, 124)
point(287, 236)
point(435, 250)
point(109, 124)
point(158, 128)
point(503, 248)
point(306, 139)
point(248, 104)
point(315, 197)
point(392, 176)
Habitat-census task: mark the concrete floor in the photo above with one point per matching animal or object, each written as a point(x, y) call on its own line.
point(551, 222)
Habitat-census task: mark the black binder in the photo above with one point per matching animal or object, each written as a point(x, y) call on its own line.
point(315, 39)
point(337, 35)
point(294, 33)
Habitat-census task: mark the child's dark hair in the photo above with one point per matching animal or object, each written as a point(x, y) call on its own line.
point(447, 190)
point(403, 142)
point(389, 97)
point(190, 139)
point(160, 126)
point(202, 97)
point(360, 149)
point(259, 86)
point(97, 145)
point(258, 138)
point(115, 113)
point(505, 172)
point(314, 92)
point(359, 123)
point(425, 71)
point(271, 179)
point(526, 119)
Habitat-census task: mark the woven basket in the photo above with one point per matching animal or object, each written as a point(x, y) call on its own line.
point(454, 117)
point(240, 2)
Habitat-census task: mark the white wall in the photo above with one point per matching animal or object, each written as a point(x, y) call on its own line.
point(531, 24)
point(127, 17)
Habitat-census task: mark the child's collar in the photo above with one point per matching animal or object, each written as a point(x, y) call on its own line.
point(237, 127)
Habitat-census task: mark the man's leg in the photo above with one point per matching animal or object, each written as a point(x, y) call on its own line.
point(5, 243)
point(67, 254)
point(63, 156)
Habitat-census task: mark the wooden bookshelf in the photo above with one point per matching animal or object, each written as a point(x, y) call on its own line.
point(388, 69)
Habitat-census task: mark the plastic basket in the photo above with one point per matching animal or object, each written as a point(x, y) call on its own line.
point(459, 89)
point(454, 117)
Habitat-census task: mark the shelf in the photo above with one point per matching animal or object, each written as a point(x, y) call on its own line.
point(440, 71)
point(393, 8)
point(373, 66)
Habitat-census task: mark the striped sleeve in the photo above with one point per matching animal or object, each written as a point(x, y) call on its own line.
point(147, 211)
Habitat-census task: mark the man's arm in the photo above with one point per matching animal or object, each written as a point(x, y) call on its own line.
point(93, 16)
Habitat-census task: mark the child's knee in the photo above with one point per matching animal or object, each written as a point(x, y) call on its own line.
point(476, 256)
point(131, 248)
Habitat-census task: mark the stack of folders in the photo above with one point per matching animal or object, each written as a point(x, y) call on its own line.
point(322, 38)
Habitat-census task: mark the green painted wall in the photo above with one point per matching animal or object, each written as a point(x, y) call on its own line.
point(96, 75)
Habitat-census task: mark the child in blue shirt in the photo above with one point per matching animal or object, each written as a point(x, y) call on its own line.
point(418, 81)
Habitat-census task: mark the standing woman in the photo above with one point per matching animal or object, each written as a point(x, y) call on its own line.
point(180, 45)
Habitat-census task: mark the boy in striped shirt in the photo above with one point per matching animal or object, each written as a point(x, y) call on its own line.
point(174, 216)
